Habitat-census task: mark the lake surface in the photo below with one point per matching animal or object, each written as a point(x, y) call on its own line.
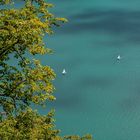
point(99, 94)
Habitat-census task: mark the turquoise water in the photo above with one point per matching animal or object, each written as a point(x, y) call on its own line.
point(98, 95)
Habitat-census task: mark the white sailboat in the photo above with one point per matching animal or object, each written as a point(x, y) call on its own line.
point(118, 57)
point(64, 72)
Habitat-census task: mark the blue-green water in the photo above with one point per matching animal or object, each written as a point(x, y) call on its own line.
point(98, 95)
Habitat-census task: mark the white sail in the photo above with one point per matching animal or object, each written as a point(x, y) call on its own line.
point(118, 57)
point(64, 71)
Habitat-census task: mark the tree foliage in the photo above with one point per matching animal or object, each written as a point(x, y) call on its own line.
point(27, 81)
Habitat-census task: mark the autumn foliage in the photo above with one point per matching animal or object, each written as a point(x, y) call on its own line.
point(27, 81)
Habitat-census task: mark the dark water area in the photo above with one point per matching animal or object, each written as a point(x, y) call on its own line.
point(99, 94)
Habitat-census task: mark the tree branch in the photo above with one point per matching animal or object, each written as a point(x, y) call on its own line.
point(7, 49)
